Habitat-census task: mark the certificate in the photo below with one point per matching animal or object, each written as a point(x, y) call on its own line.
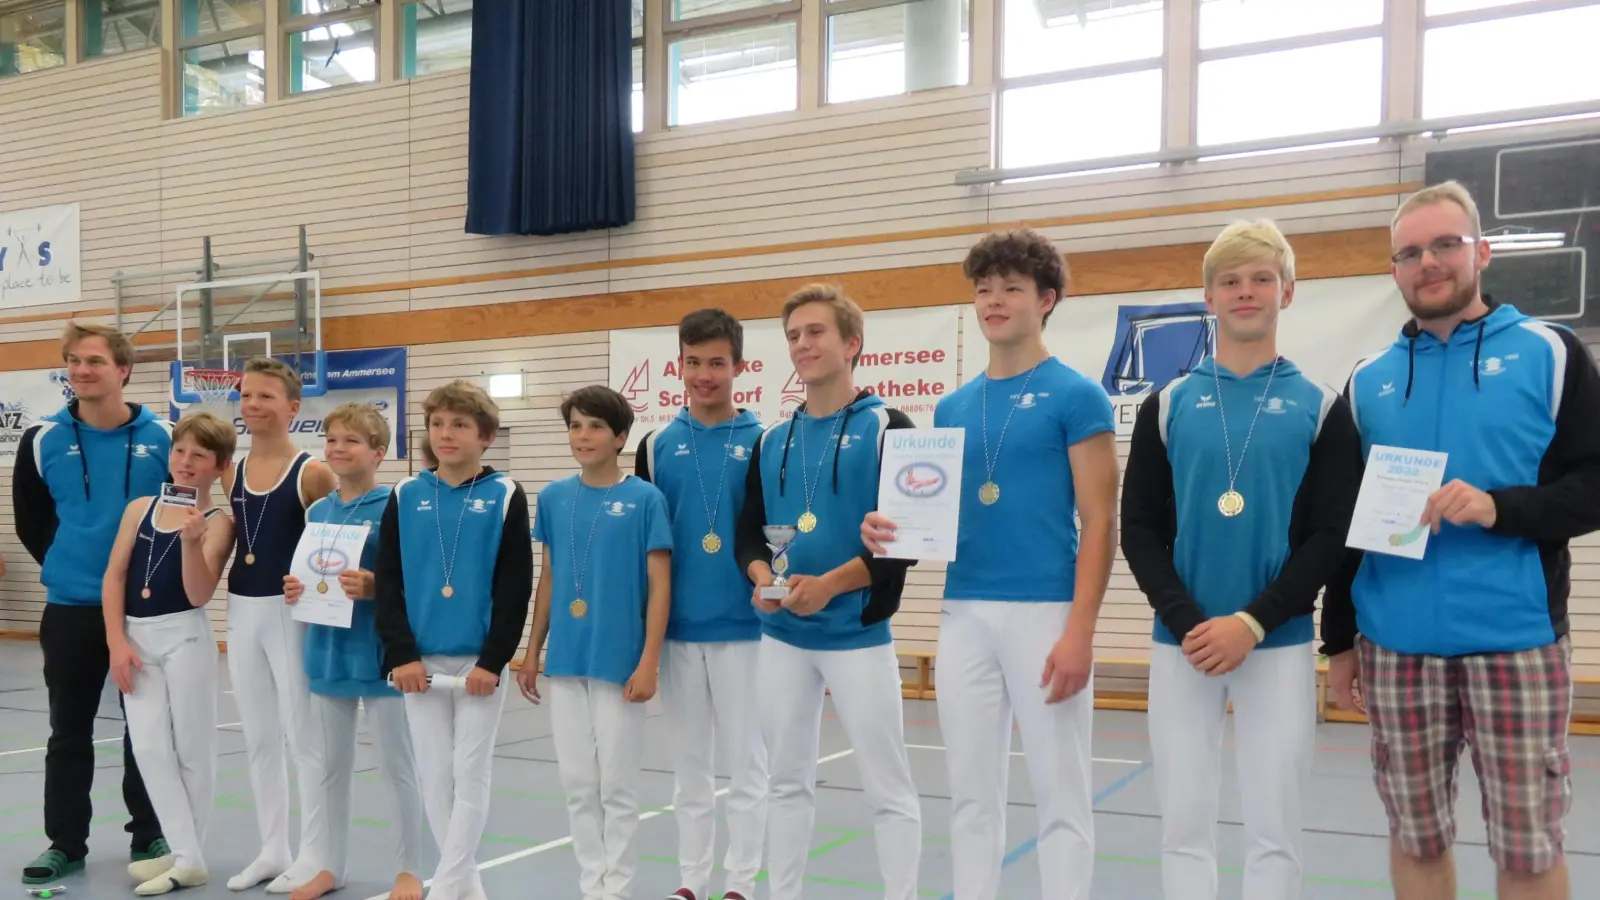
point(1394, 492)
point(919, 490)
point(325, 550)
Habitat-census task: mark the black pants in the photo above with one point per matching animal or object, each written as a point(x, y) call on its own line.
point(76, 661)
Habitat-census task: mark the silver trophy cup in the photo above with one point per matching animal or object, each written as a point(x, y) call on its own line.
point(779, 537)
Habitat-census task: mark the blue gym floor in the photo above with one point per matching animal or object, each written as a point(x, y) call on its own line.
point(525, 851)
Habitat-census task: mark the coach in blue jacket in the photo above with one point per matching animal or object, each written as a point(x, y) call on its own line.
point(1469, 644)
point(75, 473)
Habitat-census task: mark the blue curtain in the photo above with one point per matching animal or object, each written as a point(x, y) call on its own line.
point(550, 128)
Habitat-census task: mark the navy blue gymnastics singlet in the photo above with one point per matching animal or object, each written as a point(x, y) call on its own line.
point(157, 555)
point(267, 526)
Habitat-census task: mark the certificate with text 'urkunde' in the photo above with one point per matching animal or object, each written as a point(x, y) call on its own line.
point(1394, 492)
point(919, 490)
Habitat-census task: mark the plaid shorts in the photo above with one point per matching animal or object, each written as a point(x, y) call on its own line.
point(1511, 709)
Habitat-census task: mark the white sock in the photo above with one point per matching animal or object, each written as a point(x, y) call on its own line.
point(146, 869)
point(171, 880)
point(288, 881)
point(255, 873)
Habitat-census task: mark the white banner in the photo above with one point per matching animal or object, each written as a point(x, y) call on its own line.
point(1134, 344)
point(39, 262)
point(908, 359)
point(25, 398)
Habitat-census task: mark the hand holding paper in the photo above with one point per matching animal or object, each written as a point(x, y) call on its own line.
point(919, 490)
point(325, 552)
point(1394, 509)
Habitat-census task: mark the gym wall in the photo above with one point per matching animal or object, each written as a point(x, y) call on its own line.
point(734, 214)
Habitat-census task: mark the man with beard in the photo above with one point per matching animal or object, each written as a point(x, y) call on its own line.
point(1470, 644)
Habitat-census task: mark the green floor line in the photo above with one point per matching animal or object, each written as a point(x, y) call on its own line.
point(1147, 862)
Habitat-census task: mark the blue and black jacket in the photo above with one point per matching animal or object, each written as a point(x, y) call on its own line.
point(70, 486)
point(845, 452)
point(483, 523)
point(1515, 402)
point(1299, 477)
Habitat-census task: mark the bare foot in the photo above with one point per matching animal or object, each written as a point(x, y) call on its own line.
point(323, 883)
point(406, 887)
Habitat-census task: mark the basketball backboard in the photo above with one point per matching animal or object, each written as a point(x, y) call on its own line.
point(221, 324)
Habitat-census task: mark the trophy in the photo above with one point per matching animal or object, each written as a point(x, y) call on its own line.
point(779, 537)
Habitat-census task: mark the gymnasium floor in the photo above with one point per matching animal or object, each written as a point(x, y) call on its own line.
point(525, 853)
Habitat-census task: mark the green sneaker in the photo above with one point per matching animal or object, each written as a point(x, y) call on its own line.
point(158, 848)
point(50, 866)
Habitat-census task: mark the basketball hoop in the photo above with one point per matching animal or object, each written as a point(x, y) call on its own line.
point(213, 385)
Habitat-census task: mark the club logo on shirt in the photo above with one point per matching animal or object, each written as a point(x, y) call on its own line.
point(1206, 401)
point(1026, 401)
point(1496, 365)
point(618, 508)
point(142, 451)
point(845, 439)
point(738, 452)
point(1274, 406)
point(920, 479)
point(479, 506)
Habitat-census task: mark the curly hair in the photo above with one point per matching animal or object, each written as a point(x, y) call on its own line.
point(1020, 252)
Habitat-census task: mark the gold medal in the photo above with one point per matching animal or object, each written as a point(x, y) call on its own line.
point(1230, 504)
point(448, 591)
point(989, 493)
point(322, 587)
point(808, 522)
point(579, 609)
point(249, 559)
point(711, 543)
point(145, 593)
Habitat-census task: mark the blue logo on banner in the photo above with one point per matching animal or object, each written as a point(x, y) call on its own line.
point(1156, 345)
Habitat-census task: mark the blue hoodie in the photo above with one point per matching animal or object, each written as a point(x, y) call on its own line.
point(71, 484)
point(838, 456)
point(1515, 402)
point(348, 662)
point(1298, 466)
point(710, 592)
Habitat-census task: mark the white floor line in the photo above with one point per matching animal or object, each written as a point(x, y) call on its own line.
point(562, 842)
point(109, 740)
point(1098, 759)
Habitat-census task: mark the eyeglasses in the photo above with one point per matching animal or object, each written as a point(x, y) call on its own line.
point(1441, 248)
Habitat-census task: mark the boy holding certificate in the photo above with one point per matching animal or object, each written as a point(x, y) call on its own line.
point(344, 665)
point(1022, 597)
point(163, 570)
point(1238, 492)
point(699, 462)
point(453, 577)
point(603, 601)
point(812, 477)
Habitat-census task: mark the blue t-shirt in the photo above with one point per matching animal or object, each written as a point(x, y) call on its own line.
point(1025, 546)
point(348, 662)
point(607, 640)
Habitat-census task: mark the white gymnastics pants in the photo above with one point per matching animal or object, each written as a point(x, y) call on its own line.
point(267, 667)
point(453, 734)
point(1274, 725)
point(866, 690)
point(391, 739)
point(708, 692)
point(991, 658)
point(172, 718)
point(599, 739)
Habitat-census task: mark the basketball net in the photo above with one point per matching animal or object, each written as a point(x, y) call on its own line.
point(213, 387)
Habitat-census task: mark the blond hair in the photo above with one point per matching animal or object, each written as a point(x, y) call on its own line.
point(209, 432)
point(121, 348)
point(1244, 242)
point(277, 368)
point(846, 314)
point(466, 398)
point(1444, 192)
point(363, 419)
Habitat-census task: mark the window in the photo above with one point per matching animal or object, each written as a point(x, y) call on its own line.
point(120, 26)
point(33, 38)
point(1509, 61)
point(331, 43)
point(435, 36)
point(741, 62)
point(1082, 79)
point(222, 55)
point(879, 51)
point(1278, 68)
